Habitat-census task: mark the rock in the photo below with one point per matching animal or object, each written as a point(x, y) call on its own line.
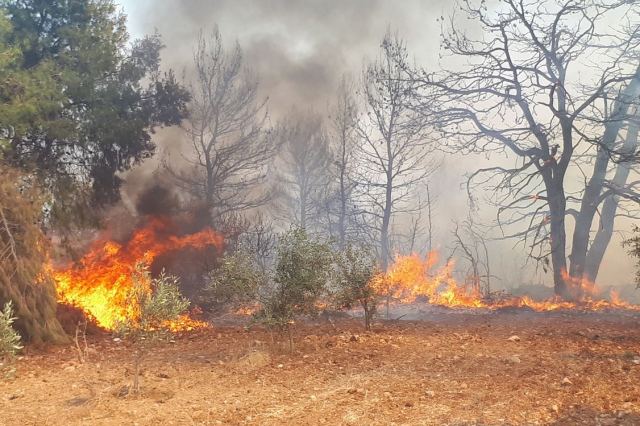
point(77, 401)
point(430, 393)
point(514, 338)
point(408, 404)
point(566, 382)
point(354, 338)
point(514, 359)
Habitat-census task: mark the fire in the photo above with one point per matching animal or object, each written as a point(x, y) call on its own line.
point(100, 283)
point(412, 277)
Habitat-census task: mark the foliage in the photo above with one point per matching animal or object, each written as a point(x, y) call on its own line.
point(236, 280)
point(302, 272)
point(69, 75)
point(356, 269)
point(158, 301)
point(633, 245)
point(9, 337)
point(23, 279)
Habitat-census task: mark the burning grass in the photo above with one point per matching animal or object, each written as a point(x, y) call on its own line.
point(412, 277)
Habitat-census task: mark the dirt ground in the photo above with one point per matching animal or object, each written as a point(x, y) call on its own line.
point(452, 369)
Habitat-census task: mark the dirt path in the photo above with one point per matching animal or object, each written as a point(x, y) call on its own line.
point(458, 370)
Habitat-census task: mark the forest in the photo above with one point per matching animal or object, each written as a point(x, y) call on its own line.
point(284, 212)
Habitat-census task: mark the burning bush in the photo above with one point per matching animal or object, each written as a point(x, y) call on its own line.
point(356, 269)
point(101, 282)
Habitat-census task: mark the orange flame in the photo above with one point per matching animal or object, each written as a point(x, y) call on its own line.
point(100, 283)
point(411, 277)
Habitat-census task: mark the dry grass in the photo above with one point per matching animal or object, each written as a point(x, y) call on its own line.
point(458, 370)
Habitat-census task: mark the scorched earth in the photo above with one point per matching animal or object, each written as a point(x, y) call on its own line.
point(451, 367)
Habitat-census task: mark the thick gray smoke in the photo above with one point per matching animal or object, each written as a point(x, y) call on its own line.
point(300, 50)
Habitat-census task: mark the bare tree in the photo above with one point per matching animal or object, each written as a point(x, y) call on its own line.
point(304, 162)
point(231, 150)
point(552, 85)
point(394, 153)
point(342, 140)
point(473, 248)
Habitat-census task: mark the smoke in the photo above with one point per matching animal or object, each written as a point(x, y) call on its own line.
point(300, 50)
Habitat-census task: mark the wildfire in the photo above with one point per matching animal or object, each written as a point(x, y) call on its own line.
point(100, 283)
point(412, 277)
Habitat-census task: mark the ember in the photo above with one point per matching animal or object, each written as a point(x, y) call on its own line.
point(101, 281)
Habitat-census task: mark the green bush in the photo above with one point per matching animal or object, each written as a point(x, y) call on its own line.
point(158, 301)
point(9, 338)
point(633, 245)
point(355, 270)
point(235, 281)
point(302, 271)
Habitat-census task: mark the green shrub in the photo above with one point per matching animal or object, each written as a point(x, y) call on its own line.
point(353, 284)
point(302, 272)
point(9, 338)
point(633, 245)
point(158, 301)
point(235, 281)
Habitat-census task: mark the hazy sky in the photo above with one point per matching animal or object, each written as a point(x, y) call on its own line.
point(301, 49)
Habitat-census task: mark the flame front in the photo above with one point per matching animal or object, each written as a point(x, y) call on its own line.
point(101, 281)
point(411, 277)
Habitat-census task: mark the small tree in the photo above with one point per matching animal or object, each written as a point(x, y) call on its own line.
point(633, 244)
point(9, 337)
point(356, 270)
point(9, 341)
point(303, 269)
point(158, 302)
point(235, 281)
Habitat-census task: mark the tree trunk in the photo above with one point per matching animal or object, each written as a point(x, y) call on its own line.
point(557, 211)
point(430, 247)
point(593, 191)
point(303, 210)
point(343, 204)
point(367, 316)
point(607, 215)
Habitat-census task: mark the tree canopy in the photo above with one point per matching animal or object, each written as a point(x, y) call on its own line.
point(69, 73)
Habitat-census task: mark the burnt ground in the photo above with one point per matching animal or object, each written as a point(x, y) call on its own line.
point(450, 368)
